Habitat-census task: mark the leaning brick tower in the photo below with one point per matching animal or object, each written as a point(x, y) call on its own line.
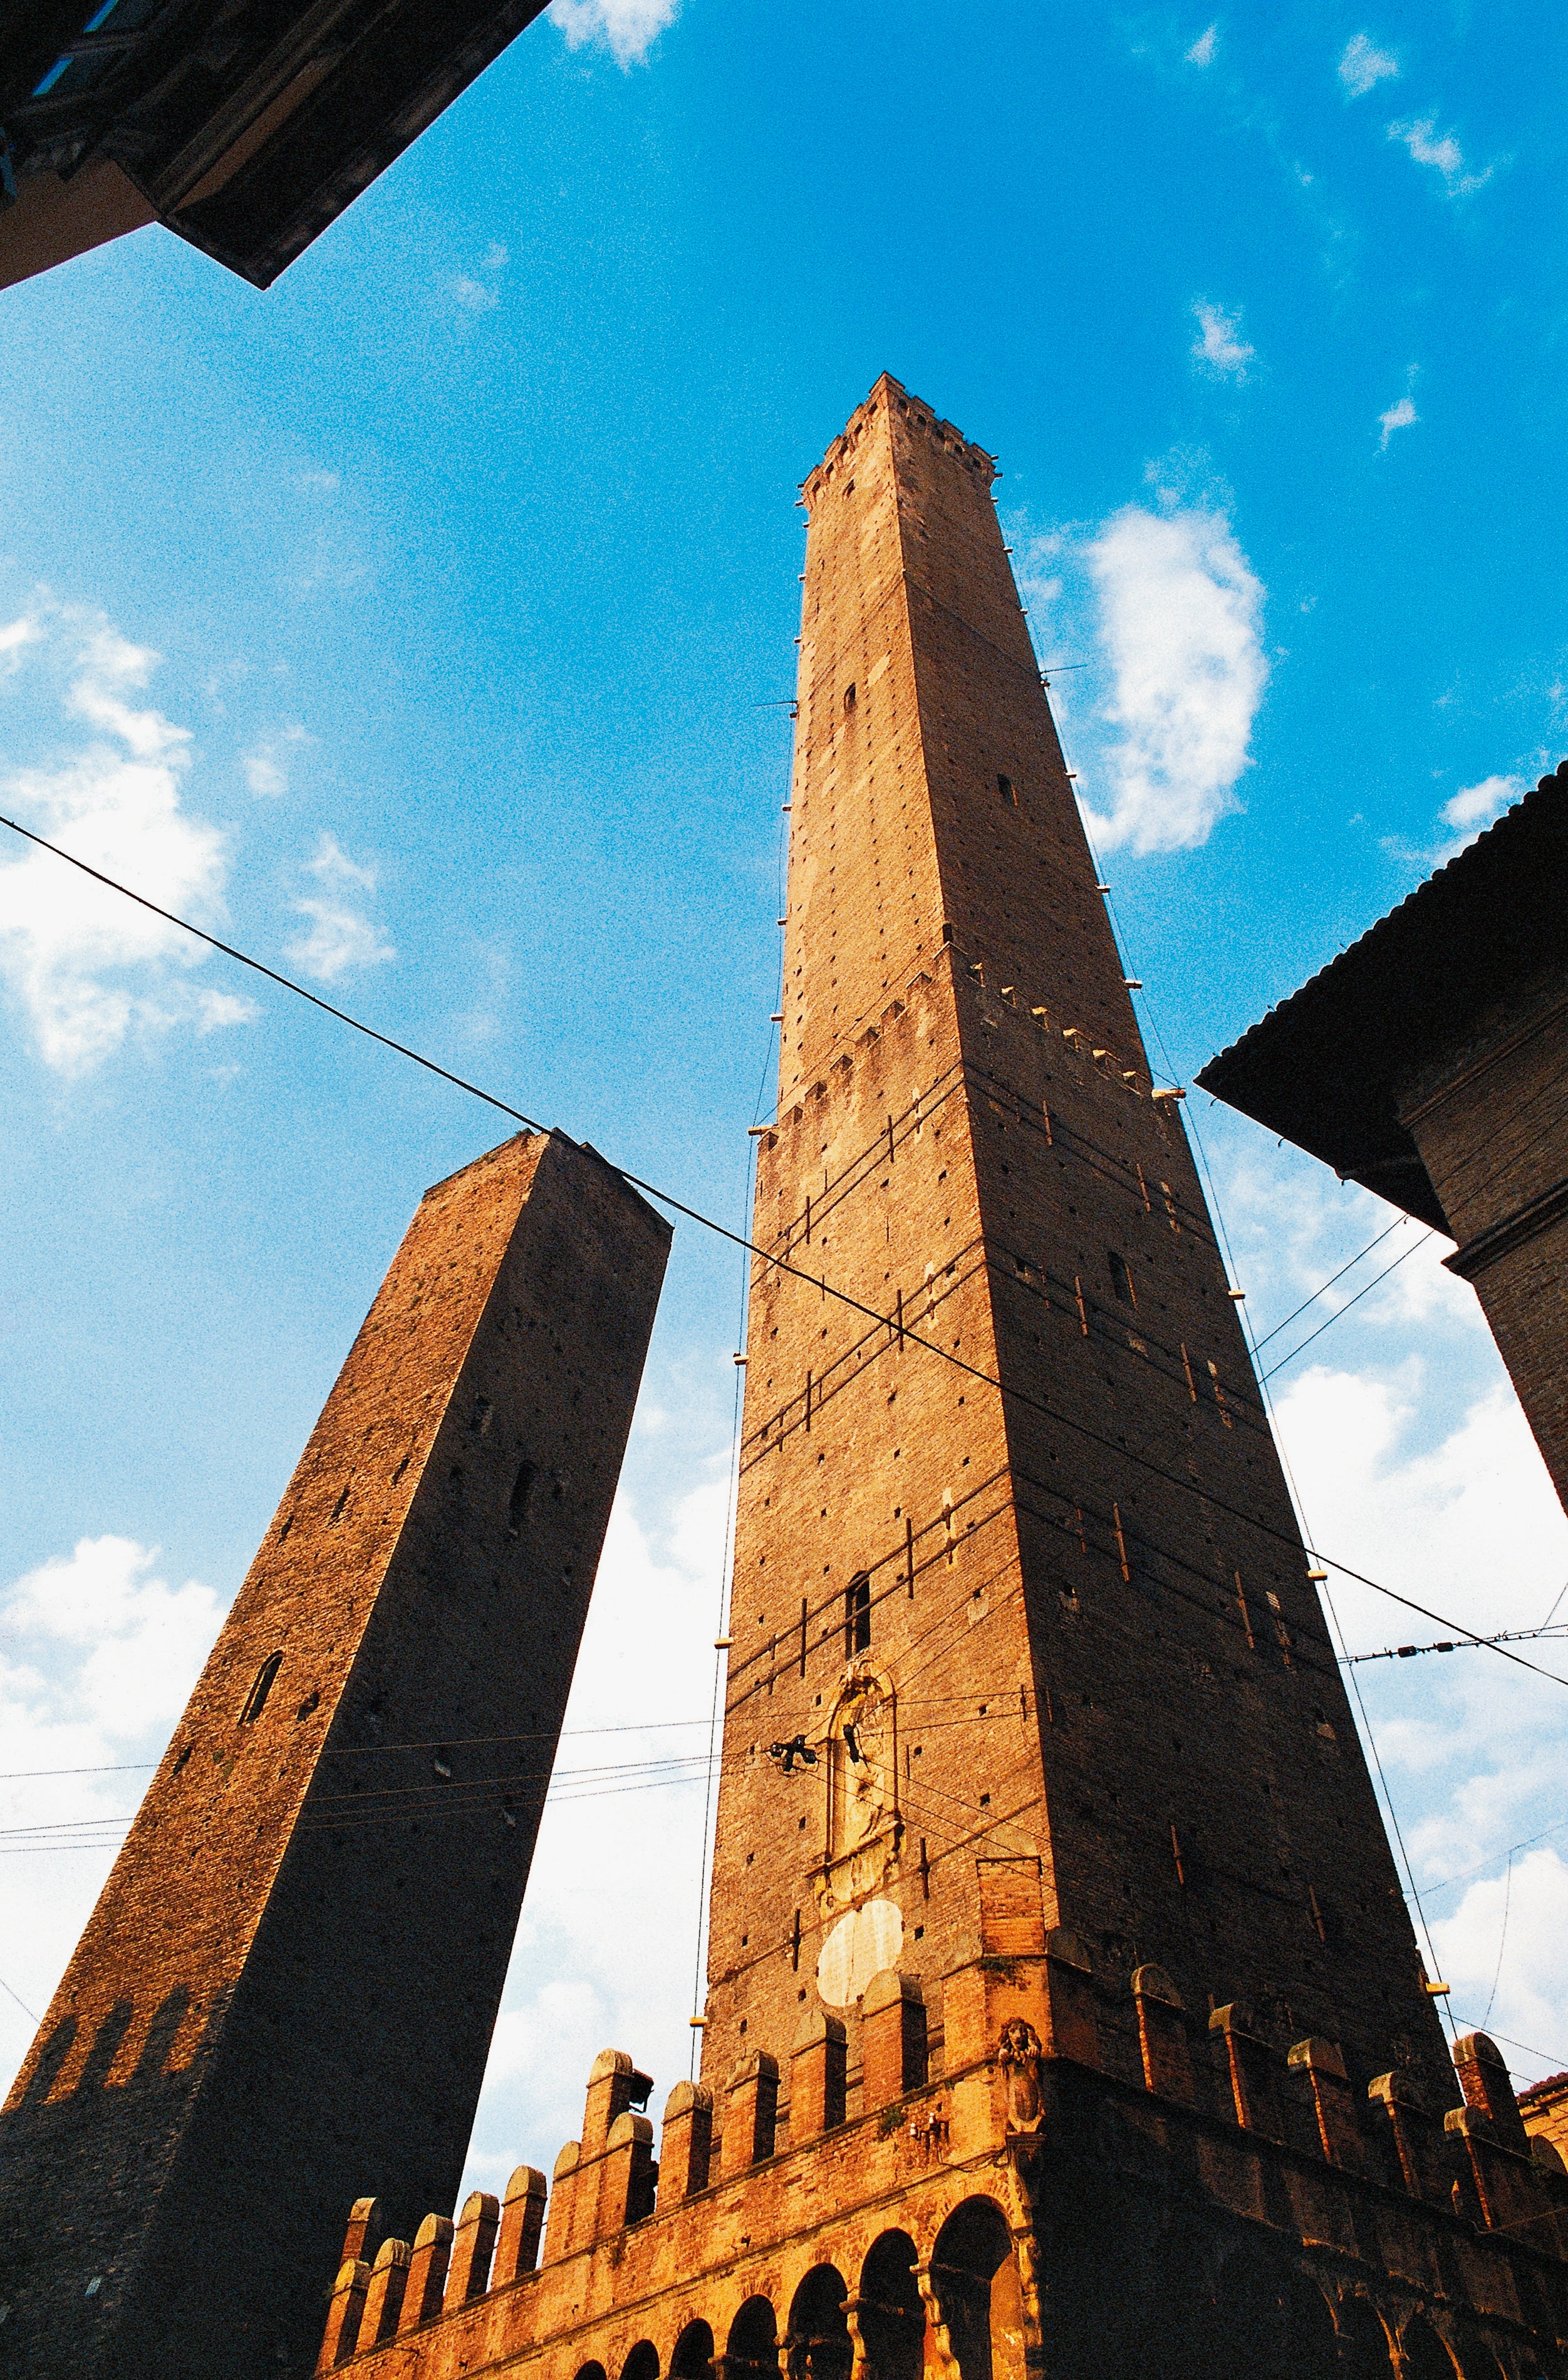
point(1063, 2014)
point(287, 1987)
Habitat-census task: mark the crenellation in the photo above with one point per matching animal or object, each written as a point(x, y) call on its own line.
point(429, 2257)
point(385, 2296)
point(344, 2315)
point(933, 2138)
point(522, 2226)
point(473, 2245)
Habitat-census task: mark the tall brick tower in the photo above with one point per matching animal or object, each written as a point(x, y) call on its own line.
point(1063, 2016)
point(287, 1988)
point(1066, 1619)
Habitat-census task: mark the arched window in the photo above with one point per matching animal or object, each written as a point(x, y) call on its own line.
point(256, 1700)
point(818, 2341)
point(1426, 2357)
point(976, 2280)
point(893, 2319)
point(691, 2357)
point(856, 1616)
point(751, 2352)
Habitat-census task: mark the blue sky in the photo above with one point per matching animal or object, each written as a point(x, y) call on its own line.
point(416, 625)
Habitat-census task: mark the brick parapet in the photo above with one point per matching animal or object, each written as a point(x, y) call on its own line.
point(1024, 2127)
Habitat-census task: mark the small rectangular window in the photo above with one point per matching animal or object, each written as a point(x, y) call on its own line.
point(856, 1616)
point(849, 697)
point(256, 1700)
point(1122, 1278)
point(1004, 787)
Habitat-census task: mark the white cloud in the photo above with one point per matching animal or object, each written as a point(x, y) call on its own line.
point(140, 1641)
point(1442, 153)
point(478, 295)
point(1473, 807)
point(615, 1869)
point(627, 28)
point(1501, 1953)
point(334, 862)
point(1219, 347)
point(1464, 1523)
point(1398, 417)
point(341, 939)
point(1202, 50)
point(15, 638)
point(1363, 65)
point(100, 1655)
point(86, 965)
point(266, 765)
point(1181, 615)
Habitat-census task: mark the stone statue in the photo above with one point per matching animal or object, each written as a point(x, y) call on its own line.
point(1019, 2058)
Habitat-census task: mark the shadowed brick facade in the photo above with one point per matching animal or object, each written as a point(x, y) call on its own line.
point(287, 1987)
point(1063, 2016)
point(1428, 1062)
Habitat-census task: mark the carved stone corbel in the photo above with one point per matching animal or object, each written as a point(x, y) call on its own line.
point(941, 2361)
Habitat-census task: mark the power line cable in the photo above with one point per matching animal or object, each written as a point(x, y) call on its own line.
point(1324, 1287)
point(1297, 1501)
point(243, 958)
point(912, 1337)
point(4, 1986)
point(1345, 1309)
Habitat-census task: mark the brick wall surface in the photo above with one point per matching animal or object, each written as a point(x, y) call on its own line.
point(1488, 1117)
point(1064, 2018)
point(1096, 1688)
point(287, 1990)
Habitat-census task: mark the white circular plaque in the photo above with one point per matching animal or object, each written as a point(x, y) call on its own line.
point(863, 1942)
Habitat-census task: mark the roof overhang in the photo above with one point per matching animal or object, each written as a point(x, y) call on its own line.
point(1325, 1068)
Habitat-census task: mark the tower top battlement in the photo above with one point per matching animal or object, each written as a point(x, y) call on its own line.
point(890, 396)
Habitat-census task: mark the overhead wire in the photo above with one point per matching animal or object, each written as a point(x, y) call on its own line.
point(1333, 1318)
point(827, 1289)
point(1323, 1287)
point(1201, 1156)
point(709, 1848)
point(742, 1240)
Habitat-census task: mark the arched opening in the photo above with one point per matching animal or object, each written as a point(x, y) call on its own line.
point(891, 2316)
point(1479, 2363)
point(256, 1700)
point(642, 2364)
point(976, 2279)
point(818, 2344)
point(1364, 2343)
point(592, 2372)
point(1264, 2321)
point(752, 2350)
point(1426, 2357)
point(691, 2357)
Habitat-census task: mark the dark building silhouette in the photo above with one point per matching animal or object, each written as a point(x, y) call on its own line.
point(287, 1988)
point(1429, 1062)
point(245, 125)
point(1063, 2016)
